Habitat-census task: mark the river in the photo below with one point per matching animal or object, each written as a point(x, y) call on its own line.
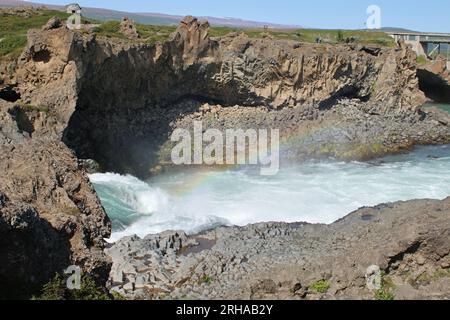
point(315, 192)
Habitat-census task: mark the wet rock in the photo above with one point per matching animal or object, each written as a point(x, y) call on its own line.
point(366, 106)
point(403, 239)
point(91, 166)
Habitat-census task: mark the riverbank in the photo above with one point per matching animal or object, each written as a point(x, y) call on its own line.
point(442, 106)
point(407, 241)
point(313, 191)
point(60, 109)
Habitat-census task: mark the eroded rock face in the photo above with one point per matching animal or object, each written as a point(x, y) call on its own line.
point(116, 102)
point(435, 80)
point(126, 132)
point(128, 29)
point(50, 216)
point(408, 241)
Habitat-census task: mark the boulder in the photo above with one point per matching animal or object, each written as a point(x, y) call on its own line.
point(53, 23)
point(128, 29)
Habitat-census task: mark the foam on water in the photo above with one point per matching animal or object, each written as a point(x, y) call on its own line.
point(315, 192)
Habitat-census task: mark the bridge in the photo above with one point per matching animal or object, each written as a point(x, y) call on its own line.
point(426, 44)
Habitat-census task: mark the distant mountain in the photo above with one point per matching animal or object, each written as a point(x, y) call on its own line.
point(149, 18)
point(390, 29)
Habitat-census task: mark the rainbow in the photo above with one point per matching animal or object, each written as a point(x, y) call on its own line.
point(205, 175)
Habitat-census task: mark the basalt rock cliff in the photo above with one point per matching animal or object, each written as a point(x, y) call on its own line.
point(435, 80)
point(73, 96)
point(118, 101)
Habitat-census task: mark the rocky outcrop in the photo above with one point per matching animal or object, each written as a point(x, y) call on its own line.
point(346, 132)
point(123, 122)
point(53, 23)
point(407, 241)
point(128, 29)
point(115, 102)
point(50, 217)
point(435, 80)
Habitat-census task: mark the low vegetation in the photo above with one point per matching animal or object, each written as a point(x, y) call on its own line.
point(312, 35)
point(386, 292)
point(152, 33)
point(384, 295)
point(421, 60)
point(427, 278)
point(206, 279)
point(56, 289)
point(14, 28)
point(147, 33)
point(321, 286)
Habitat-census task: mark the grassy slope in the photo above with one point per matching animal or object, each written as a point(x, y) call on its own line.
point(13, 30)
point(152, 33)
point(310, 35)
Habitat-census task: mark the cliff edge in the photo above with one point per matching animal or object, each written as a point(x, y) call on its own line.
point(74, 96)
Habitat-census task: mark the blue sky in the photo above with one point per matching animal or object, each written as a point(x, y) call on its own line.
point(431, 15)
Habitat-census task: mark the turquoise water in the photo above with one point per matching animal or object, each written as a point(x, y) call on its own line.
point(442, 106)
point(315, 192)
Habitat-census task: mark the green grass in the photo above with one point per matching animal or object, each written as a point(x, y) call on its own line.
point(147, 33)
point(310, 35)
point(12, 45)
point(421, 60)
point(13, 31)
point(386, 292)
point(153, 33)
point(321, 286)
point(384, 295)
point(206, 279)
point(108, 29)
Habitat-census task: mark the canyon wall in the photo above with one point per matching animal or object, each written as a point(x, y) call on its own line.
point(117, 102)
point(73, 96)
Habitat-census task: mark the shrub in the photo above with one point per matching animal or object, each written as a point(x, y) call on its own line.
point(321, 286)
point(206, 279)
point(340, 36)
point(386, 292)
point(56, 289)
point(384, 295)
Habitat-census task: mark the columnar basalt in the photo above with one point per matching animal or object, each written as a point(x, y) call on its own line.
point(407, 241)
point(117, 101)
point(122, 119)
